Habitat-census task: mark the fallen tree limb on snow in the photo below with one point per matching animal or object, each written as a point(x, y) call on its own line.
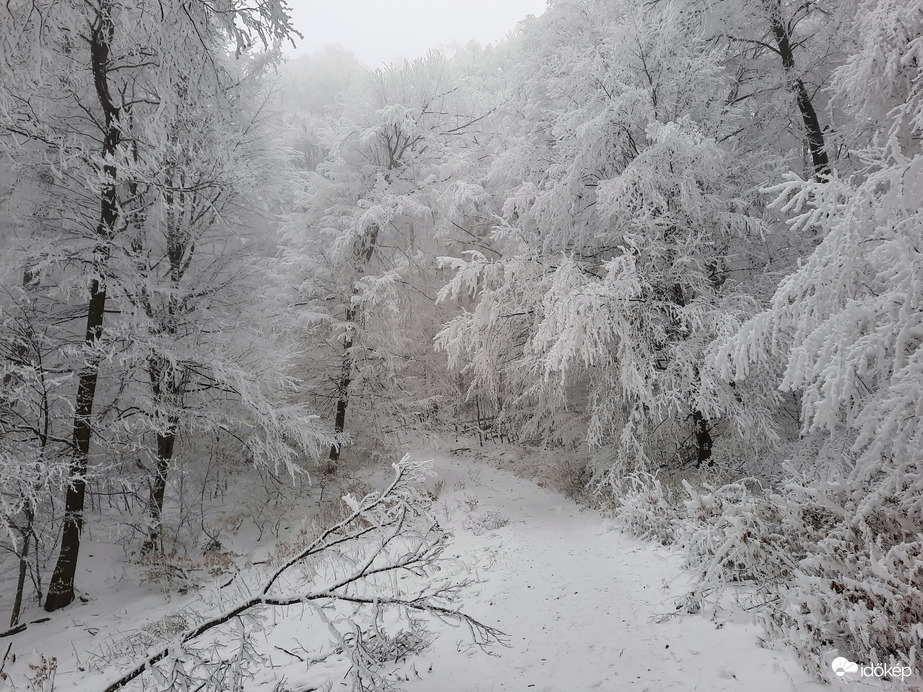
point(393, 532)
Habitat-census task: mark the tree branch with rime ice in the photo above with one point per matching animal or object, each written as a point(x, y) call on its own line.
point(389, 532)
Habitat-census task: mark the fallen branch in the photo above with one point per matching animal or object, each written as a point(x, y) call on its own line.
point(388, 515)
point(14, 630)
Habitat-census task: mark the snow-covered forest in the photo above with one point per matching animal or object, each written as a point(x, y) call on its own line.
point(645, 279)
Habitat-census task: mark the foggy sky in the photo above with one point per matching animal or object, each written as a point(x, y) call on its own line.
point(380, 31)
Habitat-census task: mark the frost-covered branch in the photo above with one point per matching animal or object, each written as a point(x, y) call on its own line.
point(391, 532)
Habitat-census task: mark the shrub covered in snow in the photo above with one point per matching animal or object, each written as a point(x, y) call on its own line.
point(739, 535)
point(644, 507)
point(830, 567)
point(830, 562)
point(859, 588)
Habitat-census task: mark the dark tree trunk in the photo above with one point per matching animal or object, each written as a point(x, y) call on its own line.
point(815, 135)
point(363, 253)
point(342, 391)
point(185, 211)
point(26, 534)
point(163, 386)
point(702, 437)
point(165, 445)
point(61, 588)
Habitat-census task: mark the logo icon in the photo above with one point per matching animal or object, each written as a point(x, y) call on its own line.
point(843, 666)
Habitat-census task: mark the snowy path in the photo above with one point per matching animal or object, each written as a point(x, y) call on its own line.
point(581, 604)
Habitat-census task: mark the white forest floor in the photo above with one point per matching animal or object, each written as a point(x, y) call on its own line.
point(584, 607)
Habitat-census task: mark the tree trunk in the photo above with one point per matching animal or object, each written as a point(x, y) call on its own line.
point(703, 439)
point(23, 563)
point(364, 250)
point(165, 445)
point(61, 588)
point(815, 135)
point(161, 378)
point(342, 392)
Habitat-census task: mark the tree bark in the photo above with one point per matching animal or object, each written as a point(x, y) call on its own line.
point(815, 135)
point(703, 439)
point(165, 444)
point(61, 588)
point(26, 534)
point(166, 440)
point(342, 391)
point(363, 252)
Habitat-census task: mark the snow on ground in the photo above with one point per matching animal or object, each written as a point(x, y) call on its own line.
point(585, 607)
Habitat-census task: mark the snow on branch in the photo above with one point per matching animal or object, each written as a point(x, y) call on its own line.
point(389, 532)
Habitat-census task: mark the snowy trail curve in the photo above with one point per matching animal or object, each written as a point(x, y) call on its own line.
point(583, 604)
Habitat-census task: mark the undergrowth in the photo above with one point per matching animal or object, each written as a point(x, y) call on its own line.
point(830, 566)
